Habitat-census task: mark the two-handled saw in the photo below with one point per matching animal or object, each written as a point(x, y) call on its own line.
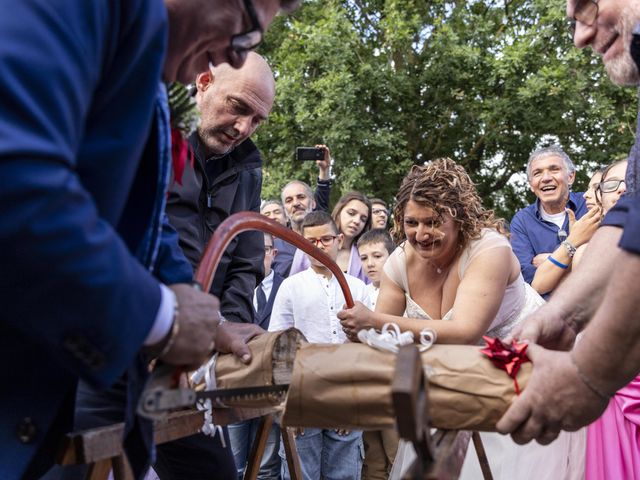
point(162, 392)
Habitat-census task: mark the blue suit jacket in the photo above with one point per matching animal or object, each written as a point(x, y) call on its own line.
point(79, 207)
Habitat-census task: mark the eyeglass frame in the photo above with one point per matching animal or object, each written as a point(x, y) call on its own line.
point(380, 210)
point(573, 21)
point(268, 249)
point(315, 241)
point(242, 43)
point(617, 181)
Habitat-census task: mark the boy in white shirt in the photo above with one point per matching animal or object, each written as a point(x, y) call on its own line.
point(309, 301)
point(380, 446)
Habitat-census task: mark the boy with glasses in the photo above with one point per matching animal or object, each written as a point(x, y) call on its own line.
point(309, 301)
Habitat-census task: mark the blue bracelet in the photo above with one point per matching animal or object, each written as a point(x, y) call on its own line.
point(557, 263)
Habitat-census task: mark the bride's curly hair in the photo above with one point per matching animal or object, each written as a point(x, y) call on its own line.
point(445, 186)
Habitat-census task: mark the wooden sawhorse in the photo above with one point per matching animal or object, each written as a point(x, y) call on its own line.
point(101, 448)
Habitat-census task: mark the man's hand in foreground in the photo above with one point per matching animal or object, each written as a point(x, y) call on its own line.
point(232, 337)
point(555, 399)
point(198, 320)
point(547, 327)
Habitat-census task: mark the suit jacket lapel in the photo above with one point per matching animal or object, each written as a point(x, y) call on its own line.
point(265, 315)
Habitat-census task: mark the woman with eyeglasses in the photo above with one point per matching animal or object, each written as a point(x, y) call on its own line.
point(590, 193)
point(554, 269)
point(455, 273)
point(612, 185)
point(352, 215)
point(613, 441)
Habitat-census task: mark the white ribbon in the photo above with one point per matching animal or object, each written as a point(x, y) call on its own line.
point(390, 339)
point(208, 373)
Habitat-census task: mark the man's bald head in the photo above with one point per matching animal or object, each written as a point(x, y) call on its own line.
point(233, 103)
point(255, 70)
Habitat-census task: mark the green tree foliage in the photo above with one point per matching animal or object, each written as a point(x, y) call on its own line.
point(388, 84)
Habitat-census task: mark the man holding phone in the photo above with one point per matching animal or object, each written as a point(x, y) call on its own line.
point(298, 199)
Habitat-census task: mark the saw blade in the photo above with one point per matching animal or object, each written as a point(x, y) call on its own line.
point(159, 401)
point(274, 393)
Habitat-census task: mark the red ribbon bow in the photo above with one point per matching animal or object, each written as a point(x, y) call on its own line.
point(180, 153)
point(506, 357)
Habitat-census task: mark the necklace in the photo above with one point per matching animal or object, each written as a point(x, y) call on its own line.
point(435, 267)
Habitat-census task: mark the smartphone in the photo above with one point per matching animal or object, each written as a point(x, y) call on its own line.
point(309, 154)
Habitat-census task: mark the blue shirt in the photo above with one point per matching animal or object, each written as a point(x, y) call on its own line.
point(531, 235)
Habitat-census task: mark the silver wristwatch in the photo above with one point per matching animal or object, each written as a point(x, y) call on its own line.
point(571, 250)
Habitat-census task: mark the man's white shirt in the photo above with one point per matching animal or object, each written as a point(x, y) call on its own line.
point(310, 302)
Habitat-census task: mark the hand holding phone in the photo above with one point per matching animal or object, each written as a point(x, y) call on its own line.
point(309, 154)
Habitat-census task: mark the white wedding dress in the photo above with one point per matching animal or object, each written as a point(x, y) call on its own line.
point(563, 459)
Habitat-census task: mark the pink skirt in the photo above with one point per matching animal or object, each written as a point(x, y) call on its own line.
point(613, 441)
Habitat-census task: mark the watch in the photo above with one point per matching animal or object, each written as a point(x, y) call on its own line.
point(571, 250)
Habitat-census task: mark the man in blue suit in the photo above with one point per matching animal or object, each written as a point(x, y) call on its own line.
point(89, 272)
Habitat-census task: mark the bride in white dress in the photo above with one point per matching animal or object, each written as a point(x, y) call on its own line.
point(455, 273)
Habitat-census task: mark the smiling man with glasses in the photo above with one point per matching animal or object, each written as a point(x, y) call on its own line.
point(569, 390)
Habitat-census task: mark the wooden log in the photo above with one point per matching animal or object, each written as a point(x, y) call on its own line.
point(272, 363)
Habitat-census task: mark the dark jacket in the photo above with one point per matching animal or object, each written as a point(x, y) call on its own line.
point(211, 191)
point(263, 317)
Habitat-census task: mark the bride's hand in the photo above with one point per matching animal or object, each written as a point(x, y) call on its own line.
point(355, 319)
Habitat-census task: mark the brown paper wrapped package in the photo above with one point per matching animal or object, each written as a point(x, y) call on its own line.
point(349, 386)
point(272, 360)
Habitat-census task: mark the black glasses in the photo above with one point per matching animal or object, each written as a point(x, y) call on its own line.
point(609, 186)
point(380, 211)
point(243, 43)
point(325, 240)
point(585, 12)
point(268, 248)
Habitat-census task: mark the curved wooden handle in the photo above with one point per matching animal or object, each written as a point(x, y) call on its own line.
point(245, 221)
